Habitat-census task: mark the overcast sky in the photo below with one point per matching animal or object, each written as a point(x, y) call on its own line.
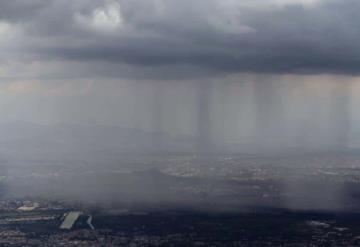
point(94, 61)
point(47, 39)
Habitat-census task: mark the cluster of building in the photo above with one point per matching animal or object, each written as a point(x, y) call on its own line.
point(29, 224)
point(20, 205)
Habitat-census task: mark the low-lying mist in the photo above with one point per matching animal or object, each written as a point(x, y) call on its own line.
point(204, 144)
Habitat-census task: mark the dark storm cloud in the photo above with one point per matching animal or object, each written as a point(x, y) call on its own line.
point(20, 10)
point(218, 36)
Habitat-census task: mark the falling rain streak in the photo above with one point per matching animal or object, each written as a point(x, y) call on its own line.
point(262, 115)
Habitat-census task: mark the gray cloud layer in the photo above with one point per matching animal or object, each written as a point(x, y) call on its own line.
point(175, 37)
